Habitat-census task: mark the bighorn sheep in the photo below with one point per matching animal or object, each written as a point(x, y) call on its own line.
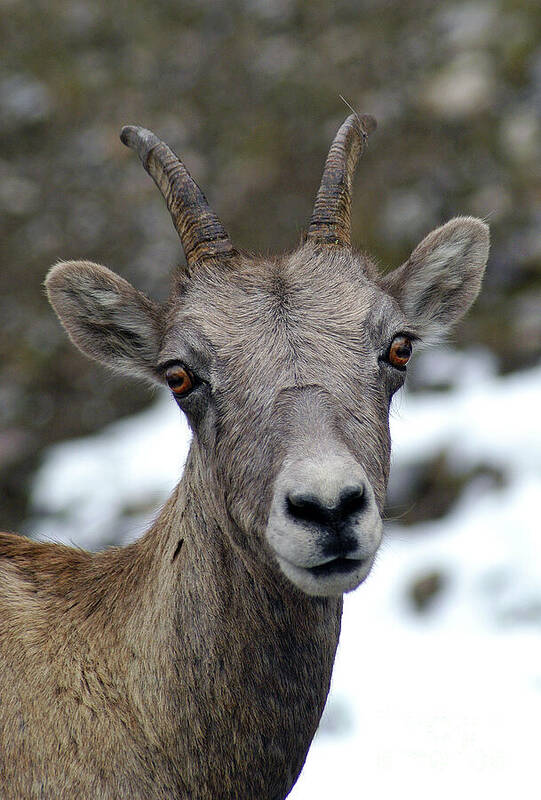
point(195, 662)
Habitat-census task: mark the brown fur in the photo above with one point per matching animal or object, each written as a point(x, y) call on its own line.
point(137, 673)
point(187, 665)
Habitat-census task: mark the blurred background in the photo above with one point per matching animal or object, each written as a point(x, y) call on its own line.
point(439, 672)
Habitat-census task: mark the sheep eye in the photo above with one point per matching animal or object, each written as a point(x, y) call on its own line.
point(179, 380)
point(400, 352)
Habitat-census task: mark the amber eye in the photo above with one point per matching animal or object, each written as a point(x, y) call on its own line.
point(179, 380)
point(400, 351)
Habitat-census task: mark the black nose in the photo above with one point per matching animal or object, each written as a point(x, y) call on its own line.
point(305, 507)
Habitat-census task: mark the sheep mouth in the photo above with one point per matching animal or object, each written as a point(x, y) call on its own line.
point(338, 566)
point(332, 578)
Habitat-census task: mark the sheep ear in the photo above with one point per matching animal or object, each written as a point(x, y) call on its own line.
point(442, 277)
point(105, 317)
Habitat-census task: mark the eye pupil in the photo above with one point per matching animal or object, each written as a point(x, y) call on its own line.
point(179, 380)
point(400, 351)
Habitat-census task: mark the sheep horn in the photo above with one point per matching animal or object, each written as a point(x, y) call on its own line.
point(201, 232)
point(331, 218)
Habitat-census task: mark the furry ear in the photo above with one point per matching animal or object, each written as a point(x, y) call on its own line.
point(442, 277)
point(105, 317)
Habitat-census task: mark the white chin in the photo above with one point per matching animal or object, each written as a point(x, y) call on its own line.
point(328, 580)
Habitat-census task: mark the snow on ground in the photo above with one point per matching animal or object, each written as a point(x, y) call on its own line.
point(444, 703)
point(86, 486)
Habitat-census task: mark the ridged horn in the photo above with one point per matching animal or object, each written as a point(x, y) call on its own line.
point(331, 218)
point(201, 232)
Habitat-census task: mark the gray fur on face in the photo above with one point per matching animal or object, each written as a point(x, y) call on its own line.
point(293, 386)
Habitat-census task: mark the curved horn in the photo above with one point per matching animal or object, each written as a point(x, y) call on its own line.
point(201, 232)
point(331, 218)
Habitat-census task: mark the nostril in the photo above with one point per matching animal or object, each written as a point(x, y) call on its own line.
point(307, 508)
point(352, 500)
